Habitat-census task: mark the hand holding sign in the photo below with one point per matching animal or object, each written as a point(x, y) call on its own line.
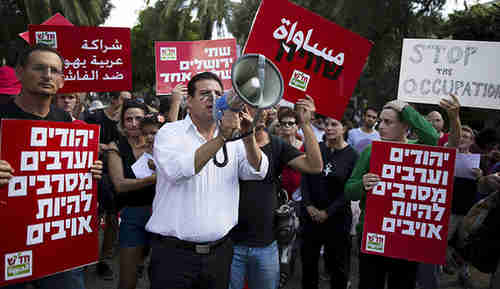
point(96, 169)
point(452, 106)
point(370, 180)
point(6, 172)
point(305, 108)
point(179, 93)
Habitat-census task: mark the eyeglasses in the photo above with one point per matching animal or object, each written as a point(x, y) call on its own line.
point(206, 95)
point(287, 123)
point(43, 68)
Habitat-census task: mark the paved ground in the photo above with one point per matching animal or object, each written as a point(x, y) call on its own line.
point(447, 281)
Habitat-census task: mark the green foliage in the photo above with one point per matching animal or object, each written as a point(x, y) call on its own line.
point(155, 26)
point(242, 19)
point(479, 22)
point(209, 13)
point(17, 14)
point(79, 12)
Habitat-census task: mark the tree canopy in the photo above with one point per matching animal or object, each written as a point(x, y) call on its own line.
point(166, 21)
point(19, 13)
point(479, 22)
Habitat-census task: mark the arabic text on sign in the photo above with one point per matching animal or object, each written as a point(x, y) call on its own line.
point(297, 37)
point(98, 44)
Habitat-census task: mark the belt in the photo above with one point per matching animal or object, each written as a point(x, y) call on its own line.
point(198, 248)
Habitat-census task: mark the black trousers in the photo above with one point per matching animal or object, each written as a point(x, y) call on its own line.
point(337, 248)
point(179, 267)
point(375, 270)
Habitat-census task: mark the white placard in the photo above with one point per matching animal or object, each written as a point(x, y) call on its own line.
point(432, 68)
point(465, 163)
point(141, 168)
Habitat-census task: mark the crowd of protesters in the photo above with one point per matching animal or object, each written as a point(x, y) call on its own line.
point(206, 226)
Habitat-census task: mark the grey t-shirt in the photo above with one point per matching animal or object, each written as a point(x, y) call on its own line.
point(359, 139)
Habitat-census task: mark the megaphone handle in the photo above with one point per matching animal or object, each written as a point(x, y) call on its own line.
point(256, 118)
point(261, 73)
point(224, 163)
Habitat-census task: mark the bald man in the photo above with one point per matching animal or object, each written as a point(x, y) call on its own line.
point(436, 119)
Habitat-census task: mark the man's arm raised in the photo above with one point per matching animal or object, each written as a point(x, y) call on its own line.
point(310, 162)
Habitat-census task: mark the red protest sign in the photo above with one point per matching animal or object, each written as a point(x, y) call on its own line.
point(315, 56)
point(96, 58)
point(177, 61)
point(407, 213)
point(56, 19)
point(50, 210)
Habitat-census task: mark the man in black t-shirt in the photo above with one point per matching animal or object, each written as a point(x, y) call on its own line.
point(40, 71)
point(255, 253)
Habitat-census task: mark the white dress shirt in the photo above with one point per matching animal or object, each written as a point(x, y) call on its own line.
point(199, 207)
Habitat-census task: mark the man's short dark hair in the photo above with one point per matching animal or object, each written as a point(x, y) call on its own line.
point(487, 138)
point(319, 116)
point(115, 94)
point(286, 112)
point(23, 58)
point(372, 108)
point(202, 76)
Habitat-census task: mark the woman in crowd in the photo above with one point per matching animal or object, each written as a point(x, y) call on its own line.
point(286, 127)
point(327, 216)
point(135, 195)
point(395, 120)
point(287, 130)
point(70, 103)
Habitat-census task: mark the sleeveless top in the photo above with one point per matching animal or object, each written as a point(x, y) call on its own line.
point(136, 198)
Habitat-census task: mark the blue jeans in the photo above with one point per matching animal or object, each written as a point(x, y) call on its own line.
point(259, 264)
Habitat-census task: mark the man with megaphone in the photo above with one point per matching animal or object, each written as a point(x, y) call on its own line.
point(196, 202)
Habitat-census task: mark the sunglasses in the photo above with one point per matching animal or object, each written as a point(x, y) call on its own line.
point(137, 101)
point(287, 123)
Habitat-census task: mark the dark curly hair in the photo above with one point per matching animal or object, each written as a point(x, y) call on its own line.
point(153, 119)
